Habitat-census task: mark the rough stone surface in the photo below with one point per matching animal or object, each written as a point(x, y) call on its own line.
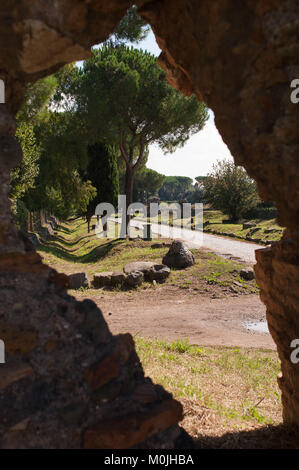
point(78, 280)
point(178, 256)
point(34, 238)
point(240, 59)
point(102, 279)
point(158, 272)
point(247, 274)
point(247, 225)
point(130, 430)
point(109, 279)
point(150, 270)
point(117, 278)
point(160, 245)
point(142, 266)
point(279, 265)
point(134, 279)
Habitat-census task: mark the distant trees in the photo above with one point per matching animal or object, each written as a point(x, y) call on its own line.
point(148, 183)
point(230, 189)
point(54, 151)
point(200, 179)
point(59, 187)
point(23, 177)
point(175, 188)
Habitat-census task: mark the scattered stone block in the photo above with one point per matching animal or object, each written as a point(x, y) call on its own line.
point(247, 274)
point(117, 278)
point(78, 280)
point(178, 256)
point(248, 225)
point(150, 270)
point(142, 266)
point(134, 279)
point(34, 238)
point(102, 279)
point(158, 272)
point(253, 231)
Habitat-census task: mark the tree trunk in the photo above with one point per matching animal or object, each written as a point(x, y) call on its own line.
point(130, 174)
point(88, 223)
point(129, 182)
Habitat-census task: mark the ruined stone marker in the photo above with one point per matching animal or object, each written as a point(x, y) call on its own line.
point(178, 256)
point(147, 232)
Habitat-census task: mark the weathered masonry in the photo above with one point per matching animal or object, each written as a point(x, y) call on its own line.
point(67, 381)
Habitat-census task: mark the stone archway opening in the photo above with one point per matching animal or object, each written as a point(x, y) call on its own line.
point(240, 59)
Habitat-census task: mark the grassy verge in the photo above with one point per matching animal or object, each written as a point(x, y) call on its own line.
point(74, 250)
point(213, 223)
point(261, 233)
point(220, 388)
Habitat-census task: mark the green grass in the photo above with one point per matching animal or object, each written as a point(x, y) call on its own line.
point(213, 223)
point(236, 383)
point(74, 250)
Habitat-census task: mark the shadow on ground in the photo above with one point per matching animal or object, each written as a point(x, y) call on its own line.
point(54, 247)
point(268, 437)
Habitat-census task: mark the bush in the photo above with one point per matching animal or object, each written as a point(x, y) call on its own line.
point(228, 188)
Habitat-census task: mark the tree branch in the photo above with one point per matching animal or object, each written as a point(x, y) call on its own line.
point(141, 153)
point(123, 151)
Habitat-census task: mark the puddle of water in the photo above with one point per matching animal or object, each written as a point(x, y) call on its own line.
point(259, 326)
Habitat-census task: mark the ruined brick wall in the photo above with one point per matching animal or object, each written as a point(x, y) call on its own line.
point(68, 382)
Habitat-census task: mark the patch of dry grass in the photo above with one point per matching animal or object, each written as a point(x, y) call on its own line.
point(222, 389)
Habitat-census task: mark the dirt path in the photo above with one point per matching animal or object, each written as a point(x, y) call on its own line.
point(175, 315)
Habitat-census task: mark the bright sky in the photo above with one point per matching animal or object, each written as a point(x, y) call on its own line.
point(201, 150)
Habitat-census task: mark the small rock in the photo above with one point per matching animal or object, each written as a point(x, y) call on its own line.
point(160, 245)
point(178, 256)
point(158, 272)
point(141, 266)
point(247, 225)
point(238, 284)
point(102, 279)
point(78, 280)
point(247, 274)
point(232, 289)
point(117, 278)
point(34, 238)
point(253, 231)
point(270, 230)
point(134, 279)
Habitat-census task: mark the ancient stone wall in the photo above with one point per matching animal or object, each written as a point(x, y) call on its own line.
point(68, 382)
